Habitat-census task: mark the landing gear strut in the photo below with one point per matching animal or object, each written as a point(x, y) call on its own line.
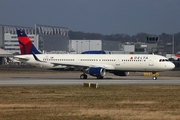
point(154, 76)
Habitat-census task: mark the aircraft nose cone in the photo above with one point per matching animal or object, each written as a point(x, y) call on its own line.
point(172, 66)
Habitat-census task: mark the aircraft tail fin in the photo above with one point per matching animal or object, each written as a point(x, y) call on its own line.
point(25, 44)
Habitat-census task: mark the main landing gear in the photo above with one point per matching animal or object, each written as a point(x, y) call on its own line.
point(100, 77)
point(83, 76)
point(154, 76)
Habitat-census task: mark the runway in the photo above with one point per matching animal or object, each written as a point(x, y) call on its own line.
point(70, 78)
point(80, 82)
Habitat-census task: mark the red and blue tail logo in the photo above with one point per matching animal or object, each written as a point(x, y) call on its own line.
point(25, 44)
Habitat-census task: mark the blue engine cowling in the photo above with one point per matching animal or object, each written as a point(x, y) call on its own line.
point(97, 71)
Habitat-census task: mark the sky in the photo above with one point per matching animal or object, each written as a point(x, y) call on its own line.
point(95, 16)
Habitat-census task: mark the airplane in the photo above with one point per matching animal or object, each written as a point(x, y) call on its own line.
point(98, 64)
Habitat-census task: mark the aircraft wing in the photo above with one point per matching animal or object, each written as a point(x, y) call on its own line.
point(109, 67)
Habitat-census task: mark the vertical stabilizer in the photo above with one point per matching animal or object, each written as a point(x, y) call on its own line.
point(25, 44)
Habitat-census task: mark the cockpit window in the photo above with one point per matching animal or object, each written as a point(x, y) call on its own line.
point(163, 60)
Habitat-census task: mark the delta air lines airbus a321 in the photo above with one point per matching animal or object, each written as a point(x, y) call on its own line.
point(98, 64)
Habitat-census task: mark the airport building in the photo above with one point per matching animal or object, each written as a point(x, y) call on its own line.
point(116, 47)
point(148, 47)
point(79, 46)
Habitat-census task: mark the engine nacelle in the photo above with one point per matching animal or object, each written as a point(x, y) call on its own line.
point(120, 73)
point(97, 71)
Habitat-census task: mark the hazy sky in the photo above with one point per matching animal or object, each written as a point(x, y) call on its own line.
point(95, 16)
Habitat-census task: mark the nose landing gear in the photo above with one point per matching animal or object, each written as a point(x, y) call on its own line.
point(154, 76)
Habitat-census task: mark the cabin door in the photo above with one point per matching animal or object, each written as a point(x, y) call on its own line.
point(151, 61)
point(117, 62)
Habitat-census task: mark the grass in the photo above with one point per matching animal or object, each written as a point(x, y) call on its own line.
point(135, 102)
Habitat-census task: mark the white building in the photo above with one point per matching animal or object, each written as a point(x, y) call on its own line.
point(11, 42)
point(80, 46)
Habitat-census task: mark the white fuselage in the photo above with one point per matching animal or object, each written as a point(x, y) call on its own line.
point(123, 62)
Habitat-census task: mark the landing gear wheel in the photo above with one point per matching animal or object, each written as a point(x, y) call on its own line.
point(100, 77)
point(83, 76)
point(154, 78)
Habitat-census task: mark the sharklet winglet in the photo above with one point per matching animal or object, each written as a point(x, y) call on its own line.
point(36, 58)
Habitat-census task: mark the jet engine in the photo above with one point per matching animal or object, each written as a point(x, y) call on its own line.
point(97, 71)
point(120, 73)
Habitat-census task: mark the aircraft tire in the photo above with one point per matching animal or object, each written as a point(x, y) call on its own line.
point(83, 76)
point(154, 78)
point(100, 77)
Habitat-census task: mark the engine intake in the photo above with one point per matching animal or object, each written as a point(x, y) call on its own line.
point(97, 71)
